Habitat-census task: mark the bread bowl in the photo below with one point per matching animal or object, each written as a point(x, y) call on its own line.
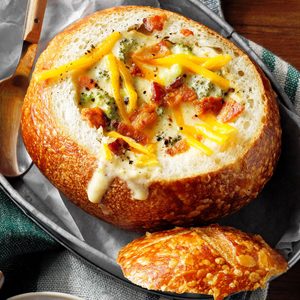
point(212, 260)
point(140, 182)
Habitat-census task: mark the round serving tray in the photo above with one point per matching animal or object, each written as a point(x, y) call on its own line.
point(20, 192)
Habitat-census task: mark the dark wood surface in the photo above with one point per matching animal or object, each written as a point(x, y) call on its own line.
point(275, 24)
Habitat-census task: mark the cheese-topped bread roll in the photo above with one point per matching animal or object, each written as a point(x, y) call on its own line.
point(145, 119)
point(212, 260)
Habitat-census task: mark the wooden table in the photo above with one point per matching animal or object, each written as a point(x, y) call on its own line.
point(275, 24)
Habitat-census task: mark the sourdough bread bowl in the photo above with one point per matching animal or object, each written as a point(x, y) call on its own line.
point(147, 119)
point(212, 260)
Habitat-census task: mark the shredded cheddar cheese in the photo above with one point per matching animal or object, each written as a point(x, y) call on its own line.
point(190, 132)
point(115, 86)
point(174, 58)
point(131, 142)
point(132, 95)
point(147, 73)
point(217, 62)
point(206, 131)
point(211, 63)
point(178, 116)
point(152, 147)
point(198, 145)
point(146, 161)
point(147, 157)
point(107, 152)
point(213, 130)
point(214, 78)
point(182, 60)
point(84, 62)
point(222, 128)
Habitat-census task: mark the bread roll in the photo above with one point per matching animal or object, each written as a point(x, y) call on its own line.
point(212, 260)
point(147, 119)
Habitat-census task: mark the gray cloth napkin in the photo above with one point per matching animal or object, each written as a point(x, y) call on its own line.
point(65, 272)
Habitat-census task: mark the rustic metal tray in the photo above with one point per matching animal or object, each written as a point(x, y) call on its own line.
point(20, 193)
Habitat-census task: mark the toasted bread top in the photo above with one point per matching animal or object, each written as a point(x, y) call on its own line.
point(212, 260)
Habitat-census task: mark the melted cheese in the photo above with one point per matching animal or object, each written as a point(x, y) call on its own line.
point(98, 185)
point(108, 171)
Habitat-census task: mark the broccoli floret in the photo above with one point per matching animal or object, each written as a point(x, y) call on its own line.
point(86, 98)
point(203, 87)
point(104, 74)
point(102, 99)
point(126, 45)
point(112, 109)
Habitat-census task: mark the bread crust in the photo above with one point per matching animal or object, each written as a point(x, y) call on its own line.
point(187, 201)
point(211, 260)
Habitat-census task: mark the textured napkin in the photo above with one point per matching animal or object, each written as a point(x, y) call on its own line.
point(32, 261)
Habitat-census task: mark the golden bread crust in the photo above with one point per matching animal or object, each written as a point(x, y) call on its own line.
point(187, 201)
point(211, 260)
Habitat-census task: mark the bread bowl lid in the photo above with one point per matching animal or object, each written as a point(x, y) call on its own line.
point(23, 191)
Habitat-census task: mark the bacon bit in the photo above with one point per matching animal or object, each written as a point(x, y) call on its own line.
point(199, 137)
point(155, 22)
point(210, 104)
point(145, 116)
point(182, 94)
point(186, 32)
point(180, 147)
point(114, 124)
point(94, 116)
point(230, 111)
point(174, 94)
point(135, 70)
point(118, 147)
point(158, 93)
point(158, 50)
point(132, 132)
point(176, 84)
point(86, 82)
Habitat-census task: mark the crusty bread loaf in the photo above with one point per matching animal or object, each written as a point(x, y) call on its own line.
point(211, 260)
point(186, 188)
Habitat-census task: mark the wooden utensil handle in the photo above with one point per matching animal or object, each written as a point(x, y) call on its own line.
point(34, 20)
